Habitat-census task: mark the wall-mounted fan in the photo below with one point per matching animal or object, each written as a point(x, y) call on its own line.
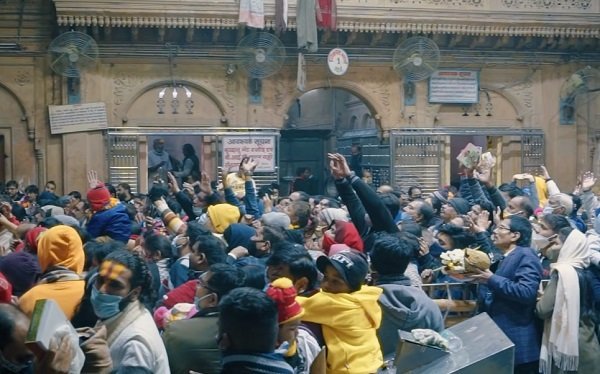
point(416, 58)
point(583, 81)
point(261, 54)
point(71, 52)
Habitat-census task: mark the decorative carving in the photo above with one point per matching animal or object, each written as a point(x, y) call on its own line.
point(284, 88)
point(382, 90)
point(547, 4)
point(123, 85)
point(473, 4)
point(22, 78)
point(225, 89)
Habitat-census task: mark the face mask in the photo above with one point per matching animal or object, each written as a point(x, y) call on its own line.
point(105, 305)
point(506, 213)
point(177, 244)
point(548, 210)
point(198, 212)
point(197, 301)
point(203, 220)
point(11, 367)
point(539, 241)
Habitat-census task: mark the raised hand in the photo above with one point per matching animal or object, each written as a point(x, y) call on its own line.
point(92, 177)
point(248, 166)
point(545, 173)
point(173, 183)
point(205, 183)
point(338, 165)
point(588, 180)
point(267, 203)
point(484, 176)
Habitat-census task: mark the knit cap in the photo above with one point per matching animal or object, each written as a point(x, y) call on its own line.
point(32, 236)
point(61, 246)
point(282, 291)
point(98, 197)
point(276, 219)
point(5, 290)
point(223, 215)
point(460, 205)
point(21, 269)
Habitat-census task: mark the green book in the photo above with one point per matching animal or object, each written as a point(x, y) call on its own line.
point(47, 321)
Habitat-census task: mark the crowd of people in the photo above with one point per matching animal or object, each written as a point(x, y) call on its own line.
point(197, 278)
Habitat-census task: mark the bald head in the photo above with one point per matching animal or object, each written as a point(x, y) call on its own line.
point(521, 206)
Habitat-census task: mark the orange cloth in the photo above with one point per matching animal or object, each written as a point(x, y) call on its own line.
point(67, 294)
point(61, 246)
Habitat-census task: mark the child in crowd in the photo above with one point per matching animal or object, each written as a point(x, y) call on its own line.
point(302, 345)
point(348, 313)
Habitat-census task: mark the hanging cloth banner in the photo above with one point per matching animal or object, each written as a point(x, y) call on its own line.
point(326, 14)
point(281, 15)
point(306, 25)
point(252, 13)
point(301, 77)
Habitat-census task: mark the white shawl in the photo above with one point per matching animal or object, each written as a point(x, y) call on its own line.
point(560, 344)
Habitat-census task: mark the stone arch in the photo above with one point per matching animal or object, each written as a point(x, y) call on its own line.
point(522, 113)
point(123, 115)
point(12, 94)
point(371, 103)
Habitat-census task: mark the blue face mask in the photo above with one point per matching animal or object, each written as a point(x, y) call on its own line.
point(197, 301)
point(105, 305)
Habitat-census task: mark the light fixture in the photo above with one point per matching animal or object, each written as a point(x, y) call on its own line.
point(173, 88)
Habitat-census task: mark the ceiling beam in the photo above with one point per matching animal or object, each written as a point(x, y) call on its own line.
point(456, 40)
point(135, 34)
point(326, 36)
point(215, 36)
point(189, 34)
point(502, 42)
point(351, 37)
point(376, 38)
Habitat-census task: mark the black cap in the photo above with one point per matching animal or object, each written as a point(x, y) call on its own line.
point(352, 266)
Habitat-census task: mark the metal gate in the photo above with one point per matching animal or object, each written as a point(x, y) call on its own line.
point(376, 156)
point(532, 152)
point(123, 160)
point(419, 155)
point(417, 159)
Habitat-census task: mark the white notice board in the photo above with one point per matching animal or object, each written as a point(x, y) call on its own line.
point(260, 148)
point(454, 87)
point(77, 118)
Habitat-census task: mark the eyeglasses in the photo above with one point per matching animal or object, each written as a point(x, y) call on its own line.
point(500, 227)
point(202, 283)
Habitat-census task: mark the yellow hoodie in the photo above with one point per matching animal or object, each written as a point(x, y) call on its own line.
point(349, 322)
point(542, 191)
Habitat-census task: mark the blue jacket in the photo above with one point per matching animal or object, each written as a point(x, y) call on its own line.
point(510, 298)
point(113, 222)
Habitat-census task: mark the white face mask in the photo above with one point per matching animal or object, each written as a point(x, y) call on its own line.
point(506, 213)
point(548, 210)
point(538, 241)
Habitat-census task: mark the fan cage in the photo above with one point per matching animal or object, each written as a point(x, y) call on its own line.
point(72, 51)
point(417, 58)
point(261, 54)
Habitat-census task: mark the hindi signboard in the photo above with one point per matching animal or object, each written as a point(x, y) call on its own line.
point(77, 118)
point(260, 148)
point(454, 87)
